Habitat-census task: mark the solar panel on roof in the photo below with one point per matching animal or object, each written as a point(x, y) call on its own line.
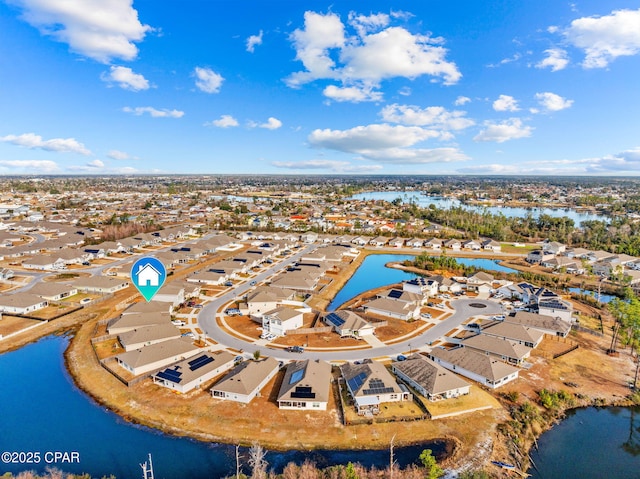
point(395, 293)
point(170, 375)
point(202, 361)
point(296, 376)
point(374, 391)
point(357, 381)
point(334, 319)
point(303, 392)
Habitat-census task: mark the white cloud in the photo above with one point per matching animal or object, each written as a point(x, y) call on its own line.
point(271, 124)
point(362, 60)
point(332, 165)
point(395, 52)
point(505, 103)
point(225, 121)
point(254, 40)
point(98, 29)
point(552, 102)
point(96, 164)
point(35, 166)
point(556, 59)
point(126, 78)
point(462, 100)
point(118, 155)
point(626, 161)
point(435, 116)
point(321, 33)
point(385, 144)
point(154, 112)
point(208, 81)
point(404, 91)
point(33, 141)
point(510, 129)
point(606, 38)
point(352, 94)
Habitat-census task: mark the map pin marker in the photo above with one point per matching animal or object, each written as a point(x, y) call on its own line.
point(148, 275)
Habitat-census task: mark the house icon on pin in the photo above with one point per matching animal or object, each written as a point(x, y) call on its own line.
point(147, 275)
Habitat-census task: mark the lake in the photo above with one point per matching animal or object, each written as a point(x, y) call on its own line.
point(446, 203)
point(372, 273)
point(43, 411)
point(591, 443)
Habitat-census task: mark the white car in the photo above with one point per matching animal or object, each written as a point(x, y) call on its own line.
point(177, 322)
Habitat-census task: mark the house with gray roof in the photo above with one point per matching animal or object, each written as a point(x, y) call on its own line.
point(394, 309)
point(371, 384)
point(519, 333)
point(147, 335)
point(348, 324)
point(482, 368)
point(430, 379)
point(306, 385)
point(159, 355)
point(246, 380)
point(282, 319)
point(21, 303)
point(54, 291)
point(193, 372)
point(507, 350)
point(129, 322)
point(101, 284)
point(542, 322)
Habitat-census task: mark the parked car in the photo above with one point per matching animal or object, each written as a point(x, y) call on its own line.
point(177, 322)
point(232, 312)
point(401, 357)
point(197, 306)
point(189, 335)
point(425, 315)
point(228, 283)
point(297, 349)
point(253, 283)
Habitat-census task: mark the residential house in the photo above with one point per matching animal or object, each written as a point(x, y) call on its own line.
point(54, 291)
point(246, 380)
point(282, 319)
point(266, 298)
point(148, 335)
point(491, 245)
point(100, 284)
point(192, 373)
point(44, 263)
point(370, 384)
point(506, 350)
point(547, 324)
point(306, 385)
point(392, 308)
point(348, 324)
point(434, 243)
point(129, 322)
point(422, 286)
point(518, 333)
point(477, 366)
point(452, 244)
point(159, 355)
point(430, 379)
point(21, 303)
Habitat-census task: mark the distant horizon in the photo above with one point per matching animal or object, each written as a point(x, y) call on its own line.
point(543, 89)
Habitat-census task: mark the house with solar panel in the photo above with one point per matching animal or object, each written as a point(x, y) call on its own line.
point(306, 385)
point(420, 285)
point(193, 372)
point(430, 379)
point(245, 381)
point(348, 324)
point(156, 356)
point(371, 384)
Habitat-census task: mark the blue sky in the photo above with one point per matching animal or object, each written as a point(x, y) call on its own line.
point(539, 87)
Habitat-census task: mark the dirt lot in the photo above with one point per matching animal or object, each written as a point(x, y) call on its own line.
point(12, 324)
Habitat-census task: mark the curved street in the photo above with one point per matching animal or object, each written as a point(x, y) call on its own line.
point(463, 309)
